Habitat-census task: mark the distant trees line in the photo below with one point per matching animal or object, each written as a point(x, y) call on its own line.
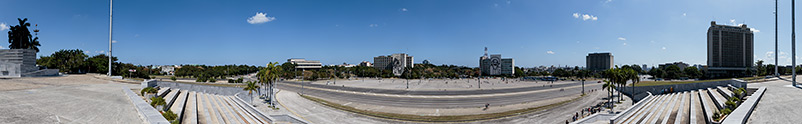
point(204, 73)
point(76, 61)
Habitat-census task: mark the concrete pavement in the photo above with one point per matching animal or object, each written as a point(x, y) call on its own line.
point(779, 105)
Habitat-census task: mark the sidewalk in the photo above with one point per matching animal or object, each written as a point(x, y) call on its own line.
point(780, 103)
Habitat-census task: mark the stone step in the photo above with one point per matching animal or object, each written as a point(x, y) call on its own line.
point(191, 109)
point(650, 107)
point(179, 103)
point(226, 110)
point(708, 106)
point(251, 111)
point(169, 98)
point(683, 111)
point(725, 92)
point(696, 112)
point(239, 111)
point(214, 108)
point(644, 109)
point(162, 91)
point(668, 117)
point(717, 97)
point(654, 114)
point(636, 110)
point(204, 113)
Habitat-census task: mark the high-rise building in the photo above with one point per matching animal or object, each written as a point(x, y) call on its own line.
point(396, 62)
point(729, 50)
point(599, 61)
point(495, 65)
point(303, 64)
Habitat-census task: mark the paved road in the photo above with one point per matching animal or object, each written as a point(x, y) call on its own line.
point(541, 86)
point(443, 102)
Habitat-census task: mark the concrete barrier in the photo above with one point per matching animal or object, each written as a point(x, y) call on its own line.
point(741, 114)
point(146, 112)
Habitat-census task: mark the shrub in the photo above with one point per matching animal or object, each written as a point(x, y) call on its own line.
point(239, 80)
point(169, 115)
point(726, 111)
point(173, 78)
point(731, 104)
point(155, 101)
point(148, 90)
point(212, 80)
point(200, 79)
point(231, 81)
point(716, 116)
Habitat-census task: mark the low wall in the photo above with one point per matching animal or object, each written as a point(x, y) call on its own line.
point(741, 114)
point(146, 112)
point(630, 109)
point(640, 91)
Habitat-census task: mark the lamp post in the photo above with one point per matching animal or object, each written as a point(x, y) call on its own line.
point(111, 5)
point(793, 42)
point(776, 65)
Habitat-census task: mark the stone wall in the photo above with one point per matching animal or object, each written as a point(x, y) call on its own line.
point(640, 92)
point(15, 62)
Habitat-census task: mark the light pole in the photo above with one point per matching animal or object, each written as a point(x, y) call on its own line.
point(110, 13)
point(793, 42)
point(776, 65)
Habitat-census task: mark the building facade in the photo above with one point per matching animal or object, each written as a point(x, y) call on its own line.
point(395, 62)
point(366, 63)
point(303, 64)
point(729, 50)
point(599, 61)
point(21, 63)
point(495, 65)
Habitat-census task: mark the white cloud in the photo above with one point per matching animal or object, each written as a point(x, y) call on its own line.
point(508, 2)
point(101, 52)
point(684, 14)
point(404, 9)
point(373, 25)
point(549, 52)
point(622, 38)
point(136, 35)
point(625, 44)
point(585, 17)
point(608, 1)
point(495, 4)
point(652, 42)
point(113, 41)
point(3, 26)
point(664, 48)
point(260, 18)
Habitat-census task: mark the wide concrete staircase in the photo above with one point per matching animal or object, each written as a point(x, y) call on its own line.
point(202, 108)
point(689, 107)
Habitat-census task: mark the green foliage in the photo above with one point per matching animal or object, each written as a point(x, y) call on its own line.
point(148, 90)
point(156, 101)
point(217, 72)
point(657, 73)
point(169, 115)
point(212, 80)
point(692, 72)
point(725, 111)
point(71, 61)
point(239, 80)
point(250, 86)
point(201, 79)
point(673, 72)
point(99, 63)
point(173, 78)
point(19, 36)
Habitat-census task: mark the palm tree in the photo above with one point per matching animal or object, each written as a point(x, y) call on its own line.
point(632, 75)
point(267, 76)
point(250, 87)
point(609, 86)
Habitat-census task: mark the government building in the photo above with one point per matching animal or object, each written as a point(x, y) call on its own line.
point(599, 61)
point(396, 62)
point(494, 65)
point(729, 50)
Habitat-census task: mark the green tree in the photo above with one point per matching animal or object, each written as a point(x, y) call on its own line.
point(269, 75)
point(673, 72)
point(71, 61)
point(99, 63)
point(250, 87)
point(657, 73)
point(19, 37)
point(693, 72)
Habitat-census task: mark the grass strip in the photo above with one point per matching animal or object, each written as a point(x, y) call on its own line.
point(447, 118)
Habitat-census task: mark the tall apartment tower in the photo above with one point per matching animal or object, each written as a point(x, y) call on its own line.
point(599, 61)
point(729, 50)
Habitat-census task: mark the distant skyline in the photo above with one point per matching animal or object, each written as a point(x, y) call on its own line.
point(455, 32)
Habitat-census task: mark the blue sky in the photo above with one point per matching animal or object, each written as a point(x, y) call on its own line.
point(533, 32)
